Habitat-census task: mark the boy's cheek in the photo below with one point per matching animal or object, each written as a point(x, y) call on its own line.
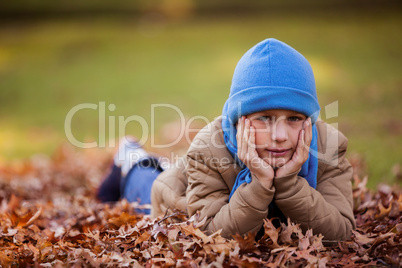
point(262, 140)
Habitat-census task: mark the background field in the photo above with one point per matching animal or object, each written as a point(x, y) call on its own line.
point(49, 65)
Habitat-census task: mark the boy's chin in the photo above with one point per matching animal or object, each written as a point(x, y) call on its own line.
point(277, 162)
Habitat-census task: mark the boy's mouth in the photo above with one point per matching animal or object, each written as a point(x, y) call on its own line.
point(278, 152)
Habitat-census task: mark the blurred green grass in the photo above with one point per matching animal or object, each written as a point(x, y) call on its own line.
point(47, 67)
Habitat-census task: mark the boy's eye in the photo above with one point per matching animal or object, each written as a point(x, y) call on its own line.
point(294, 118)
point(265, 118)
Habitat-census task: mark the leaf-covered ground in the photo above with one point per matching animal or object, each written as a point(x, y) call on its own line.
point(49, 217)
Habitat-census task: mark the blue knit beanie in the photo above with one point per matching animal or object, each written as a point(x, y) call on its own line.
point(271, 75)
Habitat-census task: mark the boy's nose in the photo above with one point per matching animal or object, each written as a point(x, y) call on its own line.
point(279, 132)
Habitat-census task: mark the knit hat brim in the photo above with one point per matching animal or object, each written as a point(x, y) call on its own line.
point(252, 100)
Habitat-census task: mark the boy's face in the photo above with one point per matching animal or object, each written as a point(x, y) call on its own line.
point(277, 134)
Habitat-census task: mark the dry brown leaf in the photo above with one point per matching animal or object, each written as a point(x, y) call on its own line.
point(246, 242)
point(287, 232)
point(124, 218)
point(189, 229)
point(143, 237)
point(363, 239)
point(383, 211)
point(271, 232)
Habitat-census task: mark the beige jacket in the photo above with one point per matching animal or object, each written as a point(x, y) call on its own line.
point(204, 178)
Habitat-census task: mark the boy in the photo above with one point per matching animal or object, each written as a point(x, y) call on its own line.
point(266, 156)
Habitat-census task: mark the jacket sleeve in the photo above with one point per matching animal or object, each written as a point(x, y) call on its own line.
point(208, 193)
point(328, 209)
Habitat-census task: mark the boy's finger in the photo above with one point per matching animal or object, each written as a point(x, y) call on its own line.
point(309, 133)
point(300, 149)
point(307, 141)
point(246, 134)
point(251, 147)
point(239, 128)
point(243, 141)
point(243, 150)
point(239, 134)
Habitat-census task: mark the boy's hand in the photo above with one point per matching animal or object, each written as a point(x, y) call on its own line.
point(247, 153)
point(301, 153)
